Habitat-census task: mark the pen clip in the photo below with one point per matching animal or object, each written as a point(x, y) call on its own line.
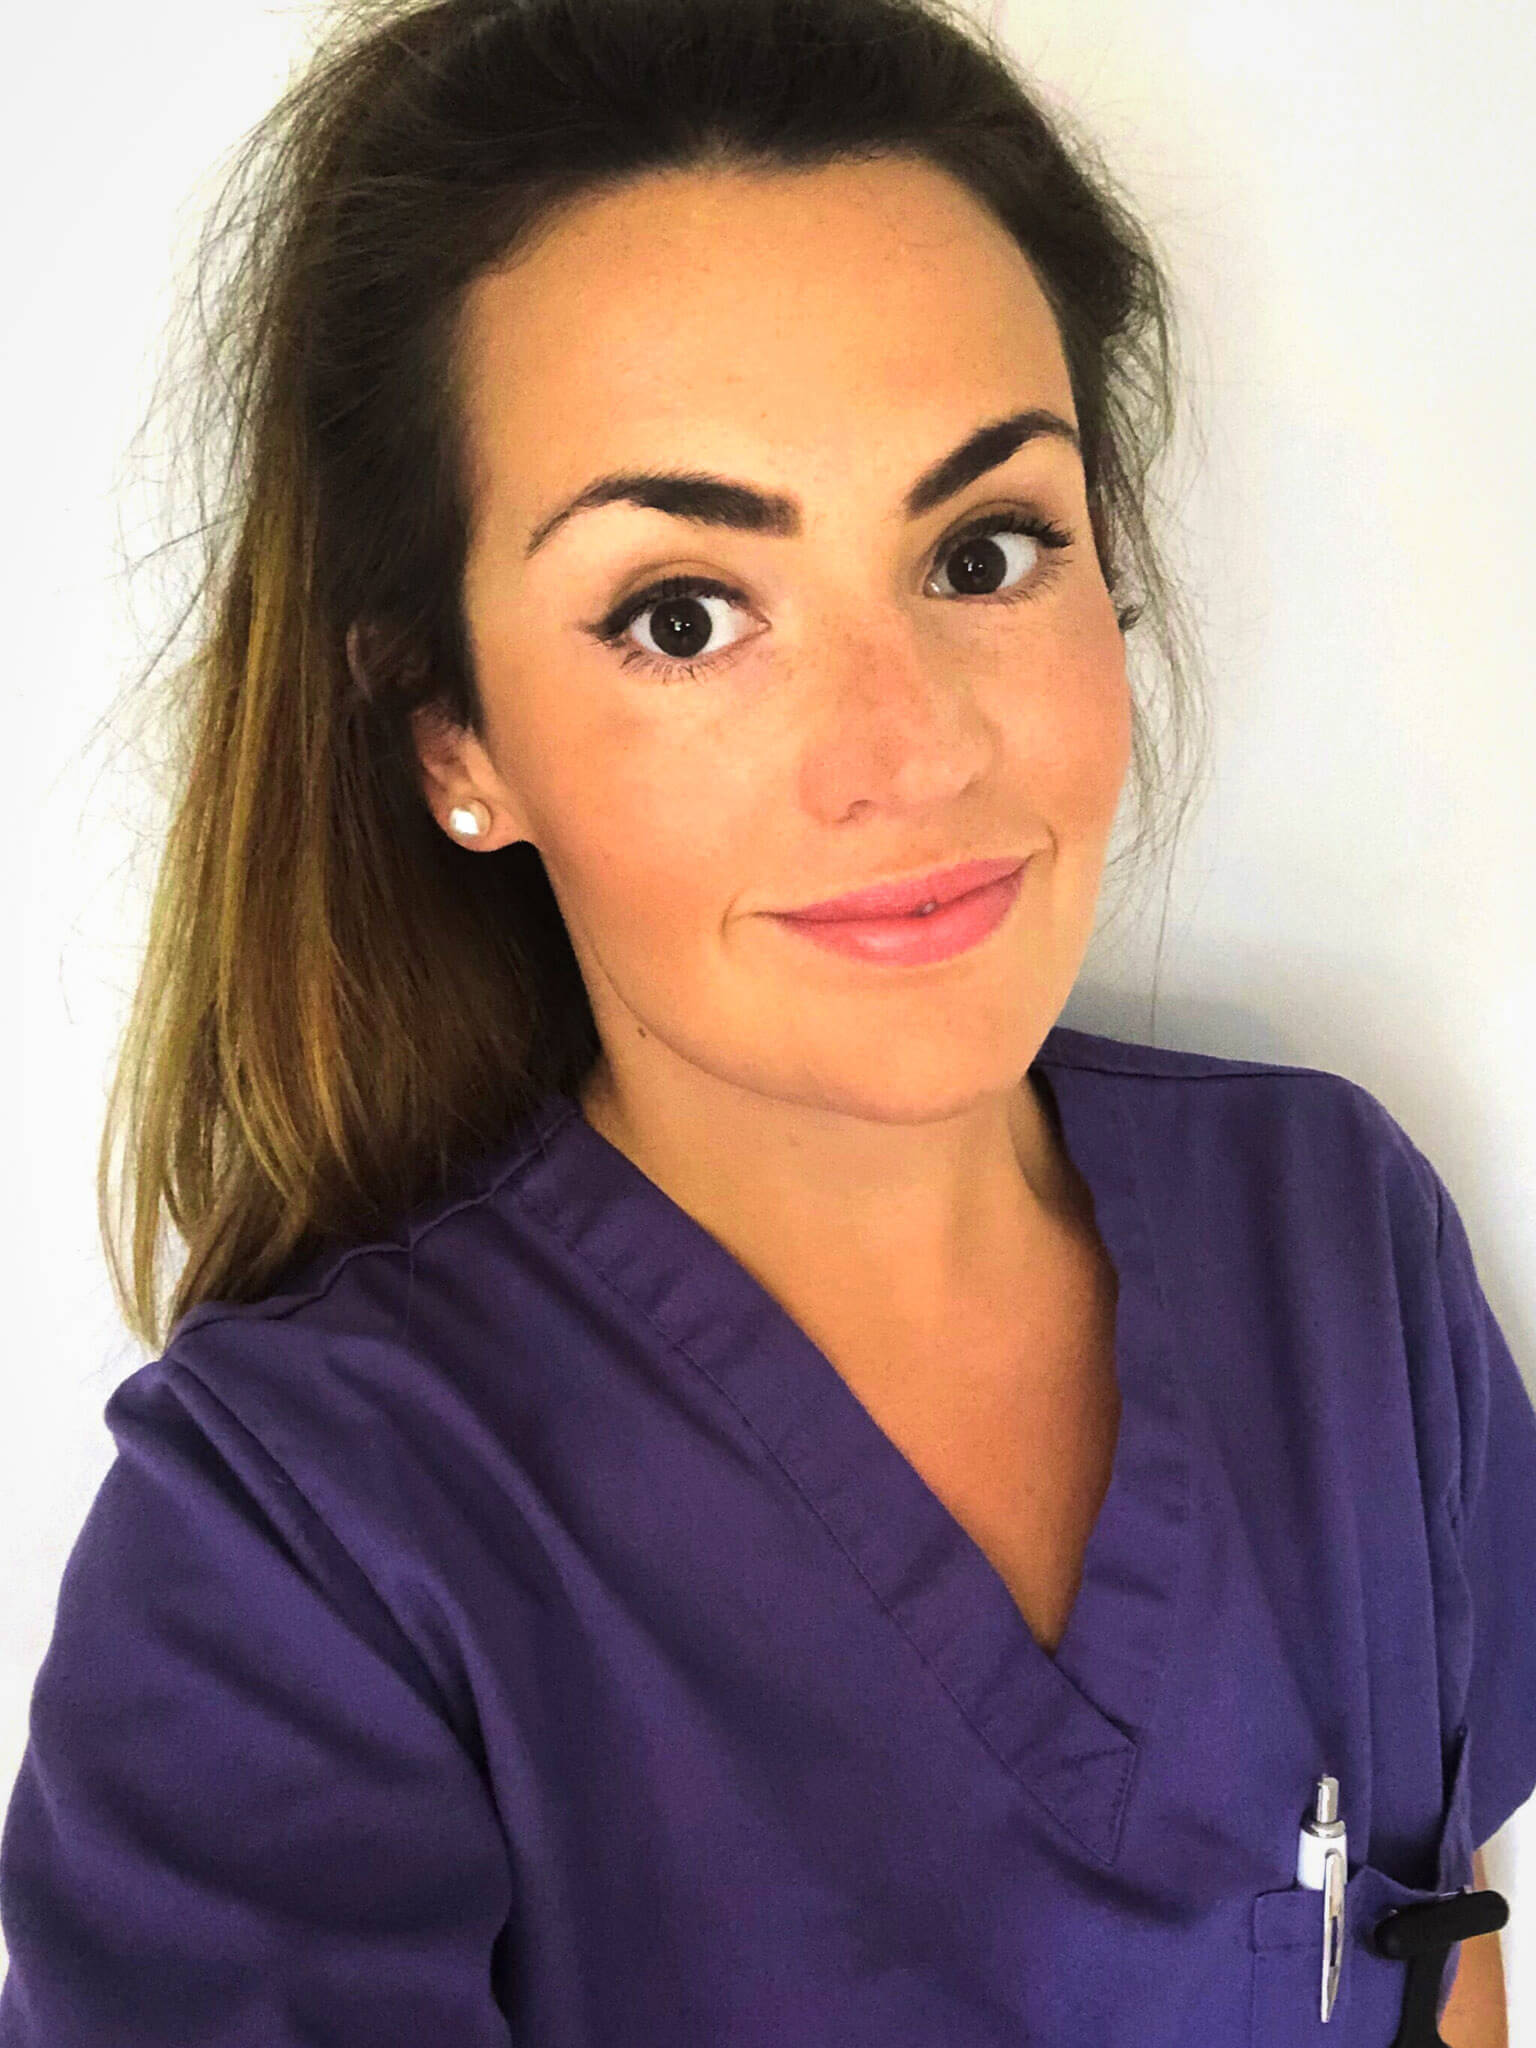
point(1334, 1875)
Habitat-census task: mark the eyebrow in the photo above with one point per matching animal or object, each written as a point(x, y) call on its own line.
point(720, 501)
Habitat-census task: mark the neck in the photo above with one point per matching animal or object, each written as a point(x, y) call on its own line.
point(914, 1229)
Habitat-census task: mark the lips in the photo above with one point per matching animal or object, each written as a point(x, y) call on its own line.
point(901, 899)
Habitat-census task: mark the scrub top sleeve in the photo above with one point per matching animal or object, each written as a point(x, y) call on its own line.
point(1493, 1506)
point(239, 1821)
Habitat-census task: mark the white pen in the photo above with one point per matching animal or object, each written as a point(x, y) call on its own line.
point(1322, 1865)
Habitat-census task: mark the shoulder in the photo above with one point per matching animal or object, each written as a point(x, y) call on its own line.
point(1212, 1119)
point(1291, 1213)
point(449, 1282)
point(1212, 1074)
point(375, 1403)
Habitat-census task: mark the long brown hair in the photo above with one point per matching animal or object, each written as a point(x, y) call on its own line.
point(337, 1005)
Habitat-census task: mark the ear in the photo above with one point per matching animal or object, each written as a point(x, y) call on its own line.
point(455, 769)
point(443, 749)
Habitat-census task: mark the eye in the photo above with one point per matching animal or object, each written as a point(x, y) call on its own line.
point(979, 553)
point(685, 621)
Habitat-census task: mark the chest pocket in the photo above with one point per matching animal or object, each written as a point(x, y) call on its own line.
point(1287, 1943)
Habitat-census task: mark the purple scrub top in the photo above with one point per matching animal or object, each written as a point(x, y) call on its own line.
point(518, 1632)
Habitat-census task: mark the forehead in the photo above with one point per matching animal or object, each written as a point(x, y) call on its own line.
point(822, 315)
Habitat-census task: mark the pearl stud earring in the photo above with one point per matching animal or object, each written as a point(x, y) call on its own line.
point(466, 820)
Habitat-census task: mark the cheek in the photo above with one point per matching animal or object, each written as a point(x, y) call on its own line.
point(1073, 727)
point(645, 833)
point(634, 811)
point(1115, 724)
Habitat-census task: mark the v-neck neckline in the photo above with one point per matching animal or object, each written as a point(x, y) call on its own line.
point(1068, 1723)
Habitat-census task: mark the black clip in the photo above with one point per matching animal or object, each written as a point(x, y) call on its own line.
point(1423, 1936)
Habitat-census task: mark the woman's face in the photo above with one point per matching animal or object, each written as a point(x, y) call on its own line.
point(855, 710)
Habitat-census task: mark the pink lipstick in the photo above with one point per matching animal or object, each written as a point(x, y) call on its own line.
point(915, 937)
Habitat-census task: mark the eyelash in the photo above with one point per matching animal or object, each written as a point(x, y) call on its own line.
point(613, 629)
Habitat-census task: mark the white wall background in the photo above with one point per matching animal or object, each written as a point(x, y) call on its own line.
point(1346, 193)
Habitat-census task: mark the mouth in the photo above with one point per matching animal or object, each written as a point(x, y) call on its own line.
point(921, 937)
point(919, 897)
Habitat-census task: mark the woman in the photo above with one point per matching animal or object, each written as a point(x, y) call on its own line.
point(714, 1473)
